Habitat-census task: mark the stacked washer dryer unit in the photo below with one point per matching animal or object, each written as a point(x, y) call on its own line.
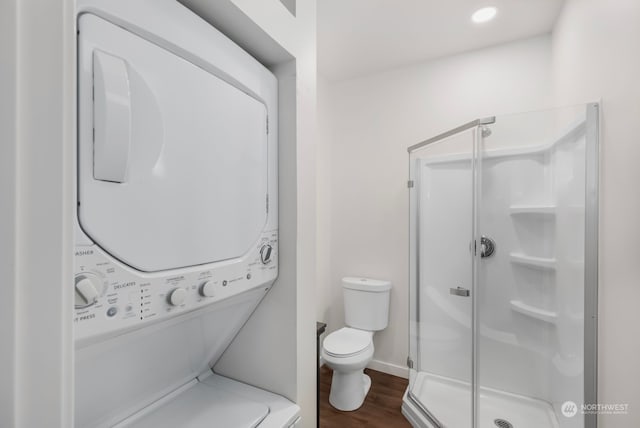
point(177, 233)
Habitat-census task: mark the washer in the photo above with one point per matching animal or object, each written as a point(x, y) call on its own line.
point(176, 231)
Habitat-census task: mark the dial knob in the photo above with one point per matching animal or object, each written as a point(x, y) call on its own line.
point(87, 290)
point(177, 296)
point(265, 254)
point(207, 289)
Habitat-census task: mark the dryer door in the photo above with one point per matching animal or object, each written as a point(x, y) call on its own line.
point(173, 161)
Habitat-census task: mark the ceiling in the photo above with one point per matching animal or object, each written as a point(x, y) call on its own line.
point(358, 37)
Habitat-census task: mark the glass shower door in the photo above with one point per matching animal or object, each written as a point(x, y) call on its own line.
point(442, 218)
point(530, 299)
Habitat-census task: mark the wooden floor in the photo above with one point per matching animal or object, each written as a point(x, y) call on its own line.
point(381, 408)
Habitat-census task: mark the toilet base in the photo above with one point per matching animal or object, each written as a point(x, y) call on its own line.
point(348, 390)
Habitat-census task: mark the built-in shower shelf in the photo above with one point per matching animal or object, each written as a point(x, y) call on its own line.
point(533, 210)
point(533, 262)
point(534, 312)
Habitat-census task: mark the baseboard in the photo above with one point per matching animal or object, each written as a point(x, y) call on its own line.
point(389, 368)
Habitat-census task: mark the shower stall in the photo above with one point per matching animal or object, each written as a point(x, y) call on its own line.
point(503, 273)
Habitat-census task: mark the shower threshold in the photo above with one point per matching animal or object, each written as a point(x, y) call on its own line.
point(449, 400)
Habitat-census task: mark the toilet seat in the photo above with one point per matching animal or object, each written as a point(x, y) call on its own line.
point(347, 342)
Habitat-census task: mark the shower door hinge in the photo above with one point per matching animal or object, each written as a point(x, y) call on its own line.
point(410, 183)
point(409, 362)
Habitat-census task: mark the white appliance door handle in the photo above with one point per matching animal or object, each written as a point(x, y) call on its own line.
point(111, 118)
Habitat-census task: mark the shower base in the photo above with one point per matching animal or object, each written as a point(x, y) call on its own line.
point(449, 401)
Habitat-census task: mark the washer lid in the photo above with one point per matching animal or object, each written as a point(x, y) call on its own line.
point(347, 342)
point(173, 159)
point(203, 406)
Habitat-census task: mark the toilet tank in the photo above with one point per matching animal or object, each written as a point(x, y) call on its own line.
point(366, 303)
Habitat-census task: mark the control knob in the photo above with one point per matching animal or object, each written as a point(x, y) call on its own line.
point(265, 254)
point(87, 288)
point(177, 296)
point(207, 289)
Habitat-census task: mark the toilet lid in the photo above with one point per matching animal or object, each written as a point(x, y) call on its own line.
point(346, 342)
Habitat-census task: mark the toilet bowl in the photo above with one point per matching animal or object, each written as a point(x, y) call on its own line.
point(348, 350)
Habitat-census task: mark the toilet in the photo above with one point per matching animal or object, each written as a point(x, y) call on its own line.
point(348, 350)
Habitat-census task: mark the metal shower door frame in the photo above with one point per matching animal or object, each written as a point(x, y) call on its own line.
point(479, 125)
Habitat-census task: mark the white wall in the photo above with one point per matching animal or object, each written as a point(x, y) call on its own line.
point(363, 166)
point(596, 46)
point(36, 150)
point(323, 266)
point(8, 191)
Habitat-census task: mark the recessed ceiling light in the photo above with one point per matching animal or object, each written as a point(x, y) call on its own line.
point(485, 14)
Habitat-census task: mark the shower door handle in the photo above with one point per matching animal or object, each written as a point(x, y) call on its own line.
point(459, 291)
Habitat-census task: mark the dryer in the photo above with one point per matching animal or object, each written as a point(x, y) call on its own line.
point(176, 231)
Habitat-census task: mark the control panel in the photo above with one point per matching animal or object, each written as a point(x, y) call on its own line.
point(110, 296)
